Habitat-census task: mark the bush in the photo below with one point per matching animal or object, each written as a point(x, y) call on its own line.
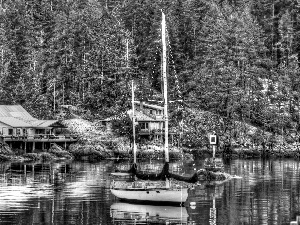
point(45, 156)
point(31, 156)
point(4, 158)
point(175, 155)
point(59, 153)
point(81, 151)
point(95, 156)
point(5, 149)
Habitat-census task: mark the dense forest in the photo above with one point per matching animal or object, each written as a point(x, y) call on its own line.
point(238, 59)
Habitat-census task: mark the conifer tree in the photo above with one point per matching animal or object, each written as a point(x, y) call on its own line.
point(234, 62)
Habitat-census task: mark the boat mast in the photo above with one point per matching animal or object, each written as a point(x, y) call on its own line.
point(163, 29)
point(133, 123)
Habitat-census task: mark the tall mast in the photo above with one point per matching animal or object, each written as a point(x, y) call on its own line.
point(133, 123)
point(127, 54)
point(163, 34)
point(54, 98)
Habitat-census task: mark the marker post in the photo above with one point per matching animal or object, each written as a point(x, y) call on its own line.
point(213, 142)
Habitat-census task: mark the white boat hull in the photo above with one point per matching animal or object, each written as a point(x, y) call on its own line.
point(155, 195)
point(121, 174)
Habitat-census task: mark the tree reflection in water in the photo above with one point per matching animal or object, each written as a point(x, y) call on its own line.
point(78, 193)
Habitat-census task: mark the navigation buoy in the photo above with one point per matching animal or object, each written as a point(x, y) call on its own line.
point(192, 203)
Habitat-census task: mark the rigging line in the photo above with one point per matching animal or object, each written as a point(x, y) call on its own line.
point(175, 73)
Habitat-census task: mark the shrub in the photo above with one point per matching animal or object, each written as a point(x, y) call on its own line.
point(31, 156)
point(5, 149)
point(4, 158)
point(59, 152)
point(81, 151)
point(45, 156)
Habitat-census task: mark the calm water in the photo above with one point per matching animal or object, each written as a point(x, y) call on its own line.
point(78, 193)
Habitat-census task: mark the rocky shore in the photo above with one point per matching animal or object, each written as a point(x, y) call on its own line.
point(96, 144)
point(240, 152)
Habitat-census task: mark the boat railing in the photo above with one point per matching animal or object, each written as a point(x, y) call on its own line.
point(174, 184)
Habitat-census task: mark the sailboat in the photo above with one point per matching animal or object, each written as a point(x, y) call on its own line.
point(158, 187)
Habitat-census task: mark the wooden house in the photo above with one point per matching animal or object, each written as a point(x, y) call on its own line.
point(20, 130)
point(150, 119)
point(148, 116)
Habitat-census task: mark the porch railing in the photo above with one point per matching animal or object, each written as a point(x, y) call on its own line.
point(41, 136)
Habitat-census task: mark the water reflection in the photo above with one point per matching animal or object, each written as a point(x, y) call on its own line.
point(57, 193)
point(18, 184)
point(78, 193)
point(129, 213)
point(200, 208)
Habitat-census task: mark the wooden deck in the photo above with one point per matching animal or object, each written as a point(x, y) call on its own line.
point(156, 132)
point(40, 138)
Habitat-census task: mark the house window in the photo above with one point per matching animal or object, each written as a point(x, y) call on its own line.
point(18, 131)
point(144, 126)
point(40, 131)
point(151, 112)
point(10, 131)
point(24, 131)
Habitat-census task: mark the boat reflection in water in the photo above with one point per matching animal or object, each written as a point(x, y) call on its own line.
point(128, 213)
point(202, 198)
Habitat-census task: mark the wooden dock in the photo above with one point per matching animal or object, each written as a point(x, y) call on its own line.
point(29, 143)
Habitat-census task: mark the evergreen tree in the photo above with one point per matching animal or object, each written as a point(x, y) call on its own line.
point(16, 28)
point(230, 79)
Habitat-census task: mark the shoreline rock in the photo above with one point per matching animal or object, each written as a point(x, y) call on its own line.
point(96, 145)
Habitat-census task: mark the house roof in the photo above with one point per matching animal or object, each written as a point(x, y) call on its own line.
point(17, 116)
point(14, 122)
point(141, 116)
point(116, 117)
point(138, 115)
point(46, 123)
point(16, 111)
point(149, 105)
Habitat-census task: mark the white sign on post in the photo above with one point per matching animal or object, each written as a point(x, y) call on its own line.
point(213, 139)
